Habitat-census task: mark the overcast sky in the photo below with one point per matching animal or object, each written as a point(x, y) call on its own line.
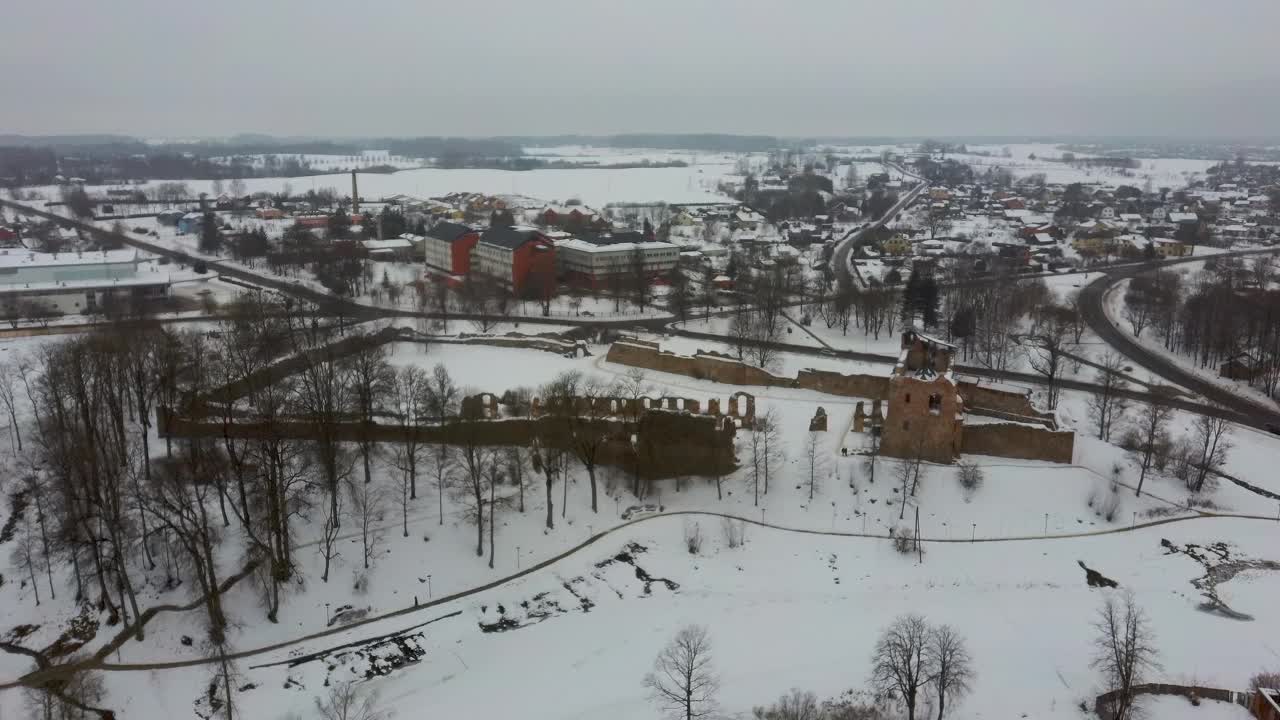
point(807, 67)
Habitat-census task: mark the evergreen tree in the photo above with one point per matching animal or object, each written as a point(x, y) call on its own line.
point(920, 299)
point(210, 235)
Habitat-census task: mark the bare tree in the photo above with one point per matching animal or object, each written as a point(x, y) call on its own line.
point(775, 452)
point(330, 523)
point(373, 381)
point(900, 663)
point(25, 555)
point(493, 477)
point(873, 453)
point(1105, 403)
point(816, 460)
point(1047, 350)
point(367, 505)
point(765, 458)
point(795, 705)
point(9, 400)
point(442, 397)
point(683, 683)
point(1212, 446)
point(971, 475)
point(1124, 650)
point(473, 460)
point(346, 701)
point(581, 402)
point(1137, 312)
point(953, 671)
point(1153, 419)
point(410, 396)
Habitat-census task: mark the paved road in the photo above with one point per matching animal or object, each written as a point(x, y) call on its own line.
point(1092, 297)
point(840, 258)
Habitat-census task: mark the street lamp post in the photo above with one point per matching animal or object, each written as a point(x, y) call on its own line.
point(1046, 524)
point(973, 533)
point(517, 557)
point(326, 614)
point(428, 586)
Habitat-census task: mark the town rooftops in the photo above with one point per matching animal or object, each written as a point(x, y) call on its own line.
point(509, 237)
point(391, 244)
point(613, 238)
point(449, 231)
point(582, 245)
point(18, 258)
point(1183, 217)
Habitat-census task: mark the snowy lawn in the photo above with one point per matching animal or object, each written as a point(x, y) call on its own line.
point(816, 603)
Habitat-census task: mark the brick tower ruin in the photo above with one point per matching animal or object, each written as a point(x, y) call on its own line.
point(925, 416)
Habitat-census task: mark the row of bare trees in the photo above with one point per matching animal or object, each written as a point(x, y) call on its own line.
point(914, 664)
point(1147, 430)
point(1229, 311)
point(910, 658)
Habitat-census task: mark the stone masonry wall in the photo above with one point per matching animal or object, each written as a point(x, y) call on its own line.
point(834, 383)
point(1014, 440)
point(1012, 402)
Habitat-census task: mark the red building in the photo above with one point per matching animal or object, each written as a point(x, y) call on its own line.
point(521, 258)
point(448, 247)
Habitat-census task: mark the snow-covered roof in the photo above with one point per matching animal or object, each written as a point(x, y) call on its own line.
point(1181, 217)
point(15, 258)
point(587, 247)
point(392, 244)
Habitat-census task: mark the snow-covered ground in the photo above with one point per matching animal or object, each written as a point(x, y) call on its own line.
point(784, 590)
point(1162, 172)
point(595, 187)
point(816, 603)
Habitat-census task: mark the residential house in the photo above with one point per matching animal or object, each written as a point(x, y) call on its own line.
point(1241, 366)
point(190, 223)
point(896, 245)
point(1170, 248)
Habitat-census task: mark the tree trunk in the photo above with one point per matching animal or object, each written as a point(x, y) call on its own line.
point(591, 473)
point(479, 496)
point(551, 515)
point(492, 551)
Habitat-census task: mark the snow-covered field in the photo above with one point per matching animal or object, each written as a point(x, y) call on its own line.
point(595, 187)
point(784, 610)
point(1162, 172)
point(815, 601)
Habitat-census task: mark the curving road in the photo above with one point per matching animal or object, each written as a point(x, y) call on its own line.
point(840, 259)
point(1092, 298)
